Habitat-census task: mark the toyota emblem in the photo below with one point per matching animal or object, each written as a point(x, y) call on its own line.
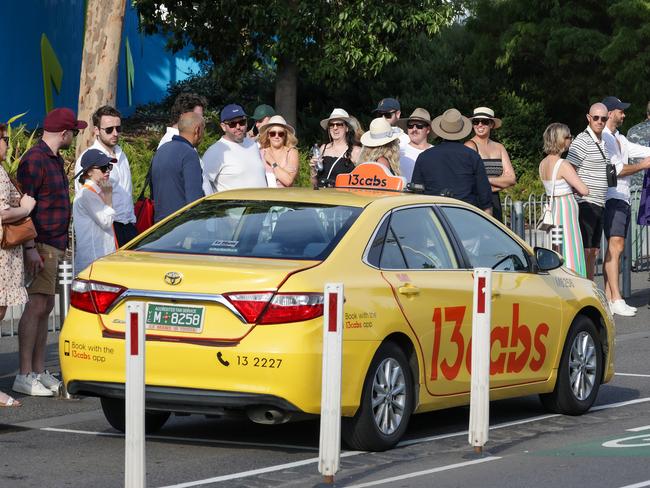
point(173, 278)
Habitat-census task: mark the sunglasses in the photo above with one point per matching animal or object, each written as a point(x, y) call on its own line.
point(387, 115)
point(234, 123)
point(416, 126)
point(6, 139)
point(279, 133)
point(105, 169)
point(109, 130)
point(333, 125)
point(569, 137)
point(486, 122)
point(596, 118)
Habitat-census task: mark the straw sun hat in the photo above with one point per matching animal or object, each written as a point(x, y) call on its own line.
point(486, 113)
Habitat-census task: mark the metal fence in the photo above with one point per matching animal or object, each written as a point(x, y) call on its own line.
point(522, 217)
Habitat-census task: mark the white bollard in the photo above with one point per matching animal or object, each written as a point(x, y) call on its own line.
point(479, 407)
point(135, 474)
point(330, 410)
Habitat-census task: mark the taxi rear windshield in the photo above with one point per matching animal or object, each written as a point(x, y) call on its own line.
point(285, 230)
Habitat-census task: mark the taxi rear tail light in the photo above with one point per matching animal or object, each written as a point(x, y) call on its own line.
point(291, 307)
point(93, 296)
point(281, 308)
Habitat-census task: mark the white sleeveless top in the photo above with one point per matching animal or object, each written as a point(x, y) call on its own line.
point(561, 185)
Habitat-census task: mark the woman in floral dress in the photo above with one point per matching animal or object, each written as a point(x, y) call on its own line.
point(12, 208)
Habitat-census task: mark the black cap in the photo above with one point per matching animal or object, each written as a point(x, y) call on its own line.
point(94, 158)
point(613, 103)
point(387, 105)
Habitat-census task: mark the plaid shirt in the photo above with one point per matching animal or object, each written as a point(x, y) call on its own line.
point(41, 175)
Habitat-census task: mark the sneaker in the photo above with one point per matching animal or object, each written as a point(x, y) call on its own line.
point(29, 385)
point(48, 380)
point(619, 307)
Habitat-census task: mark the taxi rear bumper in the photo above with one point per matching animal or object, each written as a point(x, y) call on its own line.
point(184, 400)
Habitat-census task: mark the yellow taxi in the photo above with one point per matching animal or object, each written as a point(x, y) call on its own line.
point(233, 287)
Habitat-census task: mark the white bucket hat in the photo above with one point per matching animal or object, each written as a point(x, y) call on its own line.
point(380, 133)
point(276, 120)
point(486, 113)
point(338, 114)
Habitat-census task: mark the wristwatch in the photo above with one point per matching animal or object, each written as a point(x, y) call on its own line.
point(274, 165)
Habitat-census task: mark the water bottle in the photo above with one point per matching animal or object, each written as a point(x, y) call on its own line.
point(315, 153)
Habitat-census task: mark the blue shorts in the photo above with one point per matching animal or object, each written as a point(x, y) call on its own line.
point(617, 218)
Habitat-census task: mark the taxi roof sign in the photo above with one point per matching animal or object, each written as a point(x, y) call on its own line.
point(370, 176)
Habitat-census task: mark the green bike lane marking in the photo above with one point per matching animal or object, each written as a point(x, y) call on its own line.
point(633, 442)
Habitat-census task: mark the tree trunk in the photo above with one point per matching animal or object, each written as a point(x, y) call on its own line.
point(101, 55)
point(286, 90)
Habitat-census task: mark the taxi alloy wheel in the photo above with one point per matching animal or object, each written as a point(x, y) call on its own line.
point(115, 412)
point(386, 403)
point(580, 372)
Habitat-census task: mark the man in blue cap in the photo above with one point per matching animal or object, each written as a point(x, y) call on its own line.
point(234, 160)
point(390, 109)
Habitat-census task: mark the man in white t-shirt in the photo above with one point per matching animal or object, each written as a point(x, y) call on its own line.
point(418, 128)
point(107, 124)
point(234, 161)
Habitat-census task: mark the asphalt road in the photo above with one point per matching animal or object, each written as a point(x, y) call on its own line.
point(54, 442)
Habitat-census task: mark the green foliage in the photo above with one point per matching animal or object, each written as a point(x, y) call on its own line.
point(20, 140)
point(324, 39)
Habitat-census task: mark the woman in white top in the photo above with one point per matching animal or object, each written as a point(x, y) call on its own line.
point(562, 181)
point(278, 148)
point(92, 210)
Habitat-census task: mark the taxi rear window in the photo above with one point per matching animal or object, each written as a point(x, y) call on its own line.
point(264, 229)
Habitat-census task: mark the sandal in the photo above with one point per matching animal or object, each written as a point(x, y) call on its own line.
point(10, 402)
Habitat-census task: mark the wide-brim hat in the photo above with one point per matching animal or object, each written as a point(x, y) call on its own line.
point(486, 113)
point(338, 114)
point(380, 133)
point(451, 125)
point(276, 120)
point(419, 114)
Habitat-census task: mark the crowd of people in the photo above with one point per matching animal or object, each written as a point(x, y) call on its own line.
point(261, 151)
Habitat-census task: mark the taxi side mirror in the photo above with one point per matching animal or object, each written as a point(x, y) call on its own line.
point(547, 259)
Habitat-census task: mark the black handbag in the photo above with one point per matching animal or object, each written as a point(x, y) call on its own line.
point(610, 169)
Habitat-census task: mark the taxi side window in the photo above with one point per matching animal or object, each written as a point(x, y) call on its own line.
point(411, 239)
point(485, 244)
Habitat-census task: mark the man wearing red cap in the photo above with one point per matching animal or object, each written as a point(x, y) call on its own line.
point(42, 175)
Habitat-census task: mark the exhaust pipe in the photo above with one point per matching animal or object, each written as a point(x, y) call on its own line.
point(267, 415)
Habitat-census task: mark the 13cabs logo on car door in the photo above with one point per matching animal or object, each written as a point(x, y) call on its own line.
point(435, 294)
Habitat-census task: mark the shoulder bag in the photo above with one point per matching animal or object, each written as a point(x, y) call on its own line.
point(610, 169)
point(547, 222)
point(18, 232)
point(144, 206)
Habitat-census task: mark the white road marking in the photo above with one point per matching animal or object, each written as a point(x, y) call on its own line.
point(426, 471)
point(638, 485)
point(280, 467)
point(633, 375)
point(254, 472)
point(619, 404)
point(639, 429)
point(186, 439)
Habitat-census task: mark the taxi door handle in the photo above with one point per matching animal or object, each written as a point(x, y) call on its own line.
point(409, 290)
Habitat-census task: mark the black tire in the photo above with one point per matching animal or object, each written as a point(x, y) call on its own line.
point(582, 358)
point(115, 413)
point(362, 432)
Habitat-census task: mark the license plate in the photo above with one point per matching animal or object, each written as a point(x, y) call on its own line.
point(174, 318)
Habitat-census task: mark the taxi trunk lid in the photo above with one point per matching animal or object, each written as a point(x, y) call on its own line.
point(188, 297)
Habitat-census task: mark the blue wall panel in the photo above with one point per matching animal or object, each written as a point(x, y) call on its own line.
point(62, 21)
